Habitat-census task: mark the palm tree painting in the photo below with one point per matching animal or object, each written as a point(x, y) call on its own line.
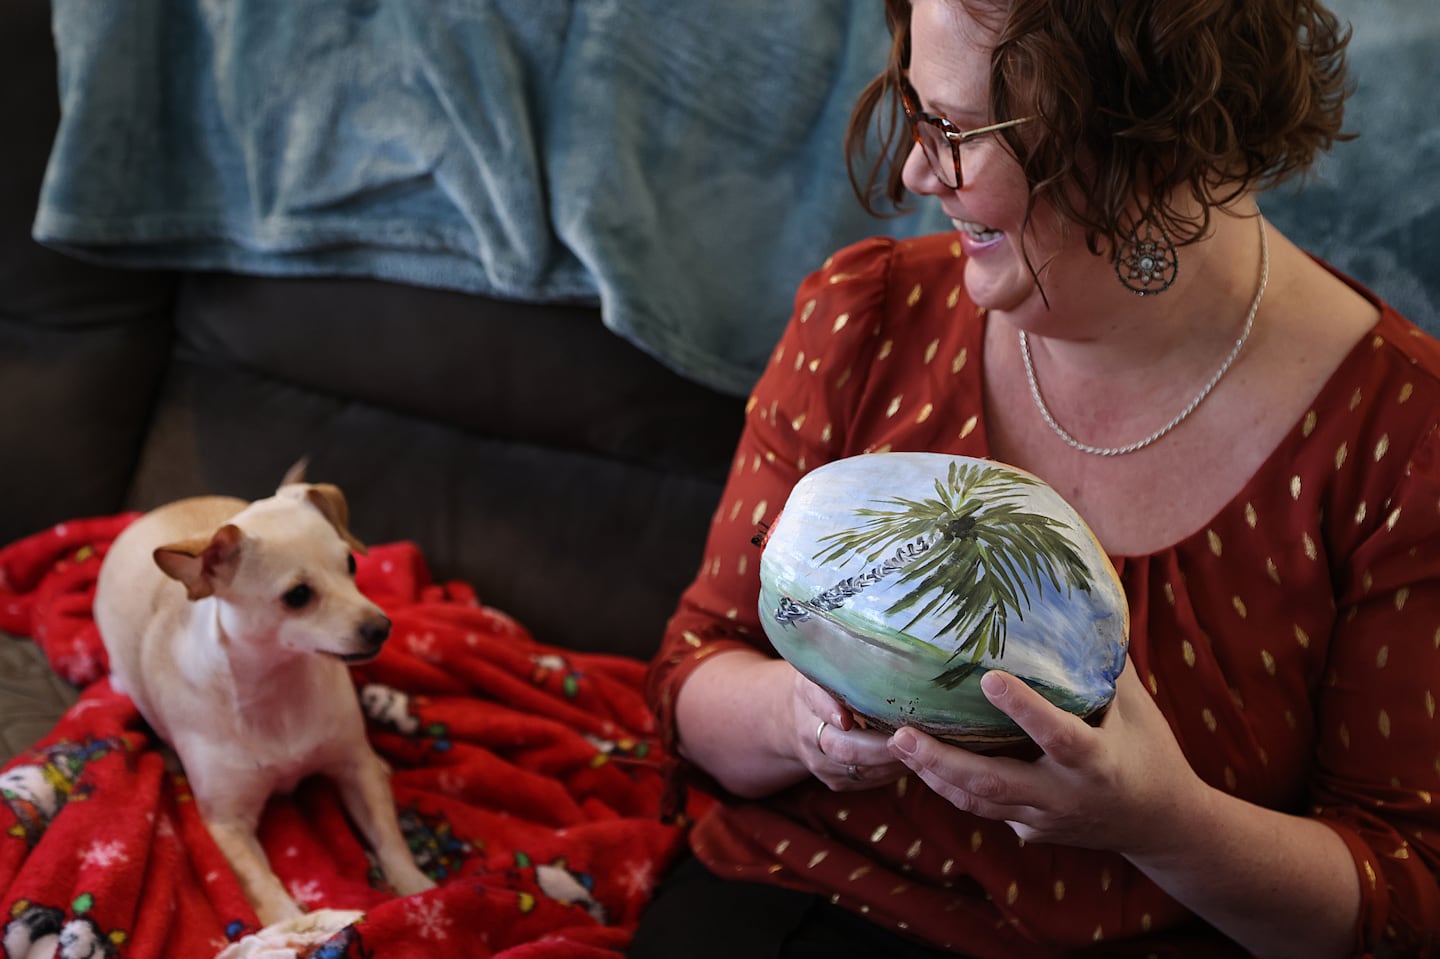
point(973, 549)
point(894, 578)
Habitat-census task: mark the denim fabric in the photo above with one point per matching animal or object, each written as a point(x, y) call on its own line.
point(678, 163)
point(1372, 206)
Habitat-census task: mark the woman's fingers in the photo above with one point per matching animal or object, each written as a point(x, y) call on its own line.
point(1062, 736)
point(821, 703)
point(991, 786)
point(854, 759)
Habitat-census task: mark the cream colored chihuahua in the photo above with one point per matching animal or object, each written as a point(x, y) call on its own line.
point(230, 625)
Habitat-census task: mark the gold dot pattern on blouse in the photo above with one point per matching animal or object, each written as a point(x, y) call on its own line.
point(1207, 681)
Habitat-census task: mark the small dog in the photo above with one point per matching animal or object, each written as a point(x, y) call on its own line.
point(230, 625)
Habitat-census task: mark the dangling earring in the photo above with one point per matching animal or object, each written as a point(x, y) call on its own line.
point(1147, 262)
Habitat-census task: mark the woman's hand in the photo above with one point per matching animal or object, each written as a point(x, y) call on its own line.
point(834, 748)
point(753, 723)
point(1122, 786)
point(1279, 884)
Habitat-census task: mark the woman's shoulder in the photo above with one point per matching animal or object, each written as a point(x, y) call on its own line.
point(1396, 359)
point(1412, 345)
point(881, 259)
point(868, 284)
point(1376, 419)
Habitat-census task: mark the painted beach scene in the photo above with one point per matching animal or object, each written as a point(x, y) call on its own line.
point(896, 580)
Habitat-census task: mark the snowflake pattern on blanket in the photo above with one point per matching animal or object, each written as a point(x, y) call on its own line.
point(529, 782)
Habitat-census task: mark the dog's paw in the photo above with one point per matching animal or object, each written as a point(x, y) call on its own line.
point(407, 882)
point(292, 936)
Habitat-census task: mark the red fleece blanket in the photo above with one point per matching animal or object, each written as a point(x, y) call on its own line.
point(528, 778)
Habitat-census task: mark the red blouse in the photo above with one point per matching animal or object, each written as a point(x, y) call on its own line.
point(1293, 642)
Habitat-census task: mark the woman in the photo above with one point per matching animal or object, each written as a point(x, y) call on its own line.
point(1251, 437)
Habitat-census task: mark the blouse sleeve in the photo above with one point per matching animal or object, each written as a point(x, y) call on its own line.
point(1377, 777)
point(794, 421)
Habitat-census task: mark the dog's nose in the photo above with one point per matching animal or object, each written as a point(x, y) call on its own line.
point(375, 631)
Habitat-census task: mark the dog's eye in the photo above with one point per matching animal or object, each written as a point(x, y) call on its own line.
point(351, 559)
point(297, 597)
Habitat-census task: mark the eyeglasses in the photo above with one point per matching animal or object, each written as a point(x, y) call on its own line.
point(938, 136)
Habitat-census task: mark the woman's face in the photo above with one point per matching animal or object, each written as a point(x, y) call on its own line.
point(950, 73)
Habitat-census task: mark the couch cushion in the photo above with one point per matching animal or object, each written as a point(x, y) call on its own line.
point(567, 476)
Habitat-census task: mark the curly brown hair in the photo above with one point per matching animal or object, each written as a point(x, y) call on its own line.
point(1164, 99)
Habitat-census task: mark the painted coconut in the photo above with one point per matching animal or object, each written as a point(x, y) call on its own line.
point(896, 580)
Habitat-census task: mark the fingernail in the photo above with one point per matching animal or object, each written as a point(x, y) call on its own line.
point(993, 684)
point(904, 741)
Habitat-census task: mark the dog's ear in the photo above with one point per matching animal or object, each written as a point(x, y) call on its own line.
point(328, 499)
point(200, 563)
point(296, 473)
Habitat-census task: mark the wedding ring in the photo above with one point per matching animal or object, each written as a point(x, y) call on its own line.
point(818, 730)
point(852, 772)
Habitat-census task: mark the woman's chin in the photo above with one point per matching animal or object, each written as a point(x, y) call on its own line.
point(1006, 290)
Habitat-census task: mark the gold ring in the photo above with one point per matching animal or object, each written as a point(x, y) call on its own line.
point(818, 730)
point(852, 772)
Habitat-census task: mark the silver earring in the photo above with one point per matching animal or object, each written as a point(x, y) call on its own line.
point(1147, 262)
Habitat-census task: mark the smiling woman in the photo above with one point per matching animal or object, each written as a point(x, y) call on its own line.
point(1251, 436)
point(1213, 100)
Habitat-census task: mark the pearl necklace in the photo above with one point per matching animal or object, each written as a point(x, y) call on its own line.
point(1193, 404)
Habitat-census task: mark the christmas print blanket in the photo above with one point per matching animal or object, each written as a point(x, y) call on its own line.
point(528, 779)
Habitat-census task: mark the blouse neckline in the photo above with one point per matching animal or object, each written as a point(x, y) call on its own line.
point(1283, 451)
